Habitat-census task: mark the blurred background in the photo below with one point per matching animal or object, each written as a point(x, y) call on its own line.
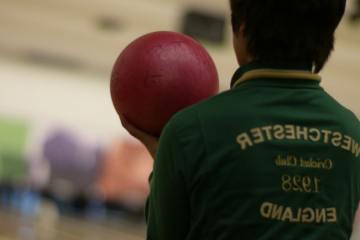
point(67, 168)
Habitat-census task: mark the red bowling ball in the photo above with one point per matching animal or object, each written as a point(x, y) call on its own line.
point(159, 74)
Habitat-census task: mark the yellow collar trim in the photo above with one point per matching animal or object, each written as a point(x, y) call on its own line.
point(280, 74)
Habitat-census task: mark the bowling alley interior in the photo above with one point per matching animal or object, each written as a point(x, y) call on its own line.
point(68, 169)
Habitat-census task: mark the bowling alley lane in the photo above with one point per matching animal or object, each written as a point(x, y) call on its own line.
point(48, 227)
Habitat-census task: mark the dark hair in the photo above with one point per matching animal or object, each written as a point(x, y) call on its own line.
point(289, 30)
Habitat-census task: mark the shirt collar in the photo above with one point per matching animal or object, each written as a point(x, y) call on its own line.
point(265, 70)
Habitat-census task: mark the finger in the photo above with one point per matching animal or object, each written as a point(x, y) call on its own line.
point(136, 132)
point(130, 128)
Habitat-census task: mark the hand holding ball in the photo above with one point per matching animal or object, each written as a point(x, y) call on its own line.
point(159, 74)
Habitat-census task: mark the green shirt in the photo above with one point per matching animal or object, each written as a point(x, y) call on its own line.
point(275, 157)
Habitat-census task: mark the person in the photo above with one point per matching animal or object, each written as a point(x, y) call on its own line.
point(274, 157)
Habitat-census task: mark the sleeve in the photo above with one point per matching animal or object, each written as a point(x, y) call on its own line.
point(167, 208)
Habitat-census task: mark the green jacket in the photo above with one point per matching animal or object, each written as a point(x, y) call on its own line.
point(275, 157)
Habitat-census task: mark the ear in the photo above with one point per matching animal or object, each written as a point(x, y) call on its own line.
point(242, 29)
